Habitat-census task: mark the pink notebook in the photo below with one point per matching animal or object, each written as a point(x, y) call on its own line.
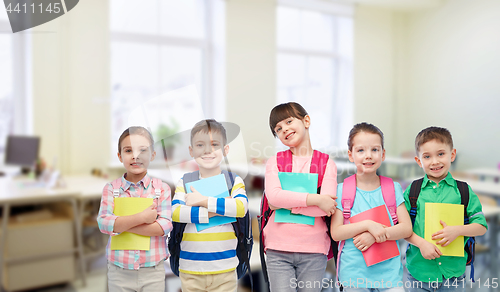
point(378, 252)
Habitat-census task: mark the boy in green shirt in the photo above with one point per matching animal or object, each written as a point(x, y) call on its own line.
point(428, 269)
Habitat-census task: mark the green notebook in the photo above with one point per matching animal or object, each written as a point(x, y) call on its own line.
point(301, 183)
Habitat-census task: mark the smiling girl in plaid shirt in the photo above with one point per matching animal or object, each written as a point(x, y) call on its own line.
point(137, 270)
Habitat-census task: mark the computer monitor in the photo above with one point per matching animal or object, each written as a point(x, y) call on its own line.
point(22, 150)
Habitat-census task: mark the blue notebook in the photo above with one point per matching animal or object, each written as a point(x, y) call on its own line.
point(301, 183)
point(216, 187)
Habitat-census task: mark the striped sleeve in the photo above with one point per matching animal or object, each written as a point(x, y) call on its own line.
point(186, 214)
point(236, 206)
point(105, 218)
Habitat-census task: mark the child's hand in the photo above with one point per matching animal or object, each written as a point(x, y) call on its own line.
point(447, 234)
point(195, 199)
point(212, 214)
point(327, 204)
point(429, 251)
point(378, 231)
point(149, 214)
point(363, 241)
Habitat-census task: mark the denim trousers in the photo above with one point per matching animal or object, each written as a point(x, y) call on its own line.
point(295, 271)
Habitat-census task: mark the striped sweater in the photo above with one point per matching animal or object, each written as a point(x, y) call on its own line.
point(213, 250)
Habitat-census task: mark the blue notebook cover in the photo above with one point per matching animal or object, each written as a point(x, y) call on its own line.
point(301, 183)
point(216, 187)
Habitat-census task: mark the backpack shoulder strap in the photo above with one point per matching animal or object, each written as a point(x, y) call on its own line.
point(389, 194)
point(415, 188)
point(463, 188)
point(190, 177)
point(318, 165)
point(230, 177)
point(117, 184)
point(285, 161)
point(157, 186)
point(348, 195)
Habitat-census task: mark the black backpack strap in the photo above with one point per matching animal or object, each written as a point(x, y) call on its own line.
point(190, 177)
point(230, 177)
point(415, 188)
point(463, 188)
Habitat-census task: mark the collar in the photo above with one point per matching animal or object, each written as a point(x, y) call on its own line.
point(146, 180)
point(448, 179)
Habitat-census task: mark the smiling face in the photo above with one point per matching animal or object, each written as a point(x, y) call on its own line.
point(136, 154)
point(293, 132)
point(435, 158)
point(367, 153)
point(208, 149)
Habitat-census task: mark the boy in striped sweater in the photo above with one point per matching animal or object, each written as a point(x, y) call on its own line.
point(208, 258)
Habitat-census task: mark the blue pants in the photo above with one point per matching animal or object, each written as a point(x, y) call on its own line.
point(294, 271)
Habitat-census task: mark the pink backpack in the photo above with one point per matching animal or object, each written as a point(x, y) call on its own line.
point(349, 194)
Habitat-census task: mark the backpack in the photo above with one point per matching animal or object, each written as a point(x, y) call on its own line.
point(349, 194)
point(157, 186)
point(463, 188)
point(242, 228)
point(285, 163)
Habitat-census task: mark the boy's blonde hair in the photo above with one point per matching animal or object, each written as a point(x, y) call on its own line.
point(136, 131)
point(433, 133)
point(209, 126)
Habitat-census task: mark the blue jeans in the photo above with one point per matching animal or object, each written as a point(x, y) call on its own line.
point(452, 284)
point(295, 271)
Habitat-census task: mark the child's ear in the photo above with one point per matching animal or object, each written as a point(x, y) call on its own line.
point(153, 156)
point(383, 154)
point(120, 157)
point(418, 161)
point(191, 151)
point(226, 150)
point(307, 121)
point(349, 154)
point(453, 154)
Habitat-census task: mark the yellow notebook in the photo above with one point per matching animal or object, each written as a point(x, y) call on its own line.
point(126, 240)
point(452, 215)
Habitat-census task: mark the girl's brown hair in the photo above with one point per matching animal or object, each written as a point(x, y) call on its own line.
point(364, 127)
point(284, 111)
point(136, 131)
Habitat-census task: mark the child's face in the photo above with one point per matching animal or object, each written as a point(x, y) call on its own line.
point(291, 131)
point(208, 149)
point(367, 153)
point(435, 158)
point(136, 155)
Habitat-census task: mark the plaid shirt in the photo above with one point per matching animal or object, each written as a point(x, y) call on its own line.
point(135, 259)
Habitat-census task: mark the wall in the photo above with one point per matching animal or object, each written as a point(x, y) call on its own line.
point(374, 71)
point(251, 71)
point(71, 88)
point(453, 69)
point(436, 66)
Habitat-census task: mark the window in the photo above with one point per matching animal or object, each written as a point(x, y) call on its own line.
point(314, 66)
point(157, 48)
point(14, 109)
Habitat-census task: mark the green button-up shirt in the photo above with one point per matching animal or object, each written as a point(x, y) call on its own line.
point(444, 266)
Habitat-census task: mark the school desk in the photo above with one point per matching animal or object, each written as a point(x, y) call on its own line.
point(21, 193)
point(485, 172)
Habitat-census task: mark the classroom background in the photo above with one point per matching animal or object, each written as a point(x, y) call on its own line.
point(74, 84)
